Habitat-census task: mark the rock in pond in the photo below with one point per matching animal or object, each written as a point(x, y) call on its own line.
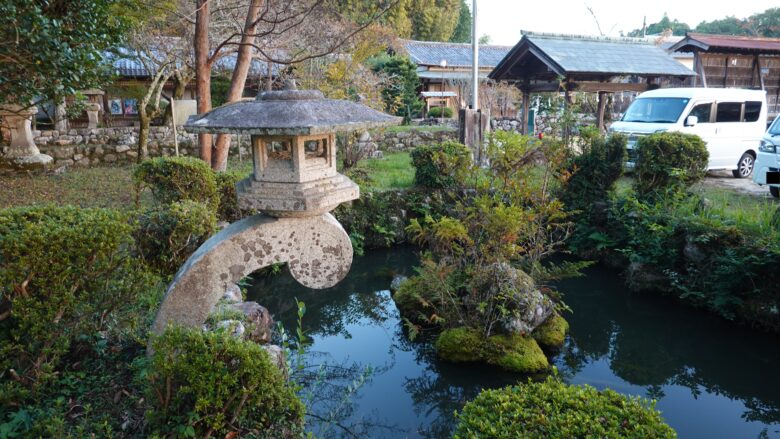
point(551, 333)
point(397, 281)
point(234, 327)
point(233, 294)
point(258, 320)
point(515, 353)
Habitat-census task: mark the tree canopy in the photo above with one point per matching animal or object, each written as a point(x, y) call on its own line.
point(462, 32)
point(762, 24)
point(427, 20)
point(51, 49)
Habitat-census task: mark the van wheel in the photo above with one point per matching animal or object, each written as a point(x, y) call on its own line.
point(775, 191)
point(744, 166)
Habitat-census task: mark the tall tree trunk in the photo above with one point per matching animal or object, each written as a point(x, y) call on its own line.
point(203, 72)
point(143, 135)
point(238, 80)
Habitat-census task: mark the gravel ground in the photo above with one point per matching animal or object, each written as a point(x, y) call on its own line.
point(724, 180)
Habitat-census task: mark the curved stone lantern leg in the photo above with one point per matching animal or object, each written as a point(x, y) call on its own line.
point(316, 249)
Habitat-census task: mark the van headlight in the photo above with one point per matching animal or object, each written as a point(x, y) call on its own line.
point(767, 147)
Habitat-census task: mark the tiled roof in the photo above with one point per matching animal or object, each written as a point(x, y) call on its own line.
point(567, 54)
point(129, 66)
point(431, 53)
point(729, 43)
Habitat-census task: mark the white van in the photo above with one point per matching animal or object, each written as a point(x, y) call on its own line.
point(730, 121)
point(768, 160)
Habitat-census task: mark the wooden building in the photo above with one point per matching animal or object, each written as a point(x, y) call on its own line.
point(566, 63)
point(737, 62)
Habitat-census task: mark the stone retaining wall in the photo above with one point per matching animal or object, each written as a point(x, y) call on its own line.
point(408, 140)
point(85, 147)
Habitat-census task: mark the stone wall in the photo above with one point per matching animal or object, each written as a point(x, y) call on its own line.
point(85, 147)
point(408, 140)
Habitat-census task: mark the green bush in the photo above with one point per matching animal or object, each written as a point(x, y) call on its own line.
point(228, 199)
point(553, 409)
point(173, 179)
point(594, 171)
point(436, 112)
point(441, 165)
point(66, 274)
point(203, 384)
point(668, 162)
point(167, 235)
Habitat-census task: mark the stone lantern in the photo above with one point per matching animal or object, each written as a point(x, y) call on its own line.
point(22, 153)
point(293, 136)
point(294, 185)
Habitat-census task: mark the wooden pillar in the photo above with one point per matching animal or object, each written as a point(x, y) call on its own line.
point(699, 68)
point(526, 106)
point(726, 73)
point(757, 72)
point(602, 107)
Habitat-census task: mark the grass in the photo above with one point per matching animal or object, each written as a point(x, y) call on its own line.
point(102, 186)
point(428, 128)
point(742, 210)
point(393, 171)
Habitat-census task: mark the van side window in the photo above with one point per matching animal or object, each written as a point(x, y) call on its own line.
point(702, 112)
point(729, 112)
point(752, 111)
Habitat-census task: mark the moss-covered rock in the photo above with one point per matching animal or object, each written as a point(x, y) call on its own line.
point(460, 345)
point(515, 353)
point(552, 332)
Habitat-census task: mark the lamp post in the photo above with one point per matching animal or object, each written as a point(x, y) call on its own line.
point(443, 65)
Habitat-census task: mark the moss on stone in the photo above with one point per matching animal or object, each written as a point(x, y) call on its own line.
point(460, 345)
point(516, 353)
point(552, 332)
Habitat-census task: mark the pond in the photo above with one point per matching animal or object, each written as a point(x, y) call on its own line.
point(711, 379)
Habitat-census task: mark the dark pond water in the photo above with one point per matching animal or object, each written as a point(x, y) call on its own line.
point(711, 379)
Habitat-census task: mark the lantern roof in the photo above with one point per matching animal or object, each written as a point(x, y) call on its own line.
point(289, 112)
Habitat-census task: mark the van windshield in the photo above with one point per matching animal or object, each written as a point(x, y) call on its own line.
point(655, 110)
point(774, 130)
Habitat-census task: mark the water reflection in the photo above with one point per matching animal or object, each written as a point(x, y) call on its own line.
point(711, 379)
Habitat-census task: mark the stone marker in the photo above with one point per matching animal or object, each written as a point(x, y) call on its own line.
point(22, 153)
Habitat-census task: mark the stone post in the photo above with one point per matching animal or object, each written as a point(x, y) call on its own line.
point(92, 108)
point(22, 153)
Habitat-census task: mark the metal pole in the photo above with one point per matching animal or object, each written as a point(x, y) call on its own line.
point(475, 61)
point(173, 125)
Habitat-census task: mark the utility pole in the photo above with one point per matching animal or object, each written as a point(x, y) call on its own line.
point(475, 60)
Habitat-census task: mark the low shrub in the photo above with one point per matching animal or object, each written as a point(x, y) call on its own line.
point(228, 209)
point(173, 179)
point(440, 165)
point(668, 162)
point(553, 409)
point(203, 384)
point(67, 275)
point(436, 112)
point(167, 235)
point(594, 171)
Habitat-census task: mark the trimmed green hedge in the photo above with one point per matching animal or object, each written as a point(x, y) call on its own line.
point(436, 112)
point(204, 384)
point(173, 179)
point(66, 274)
point(668, 161)
point(166, 236)
point(553, 409)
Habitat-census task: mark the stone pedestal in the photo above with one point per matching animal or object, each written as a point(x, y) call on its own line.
point(93, 109)
point(22, 154)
